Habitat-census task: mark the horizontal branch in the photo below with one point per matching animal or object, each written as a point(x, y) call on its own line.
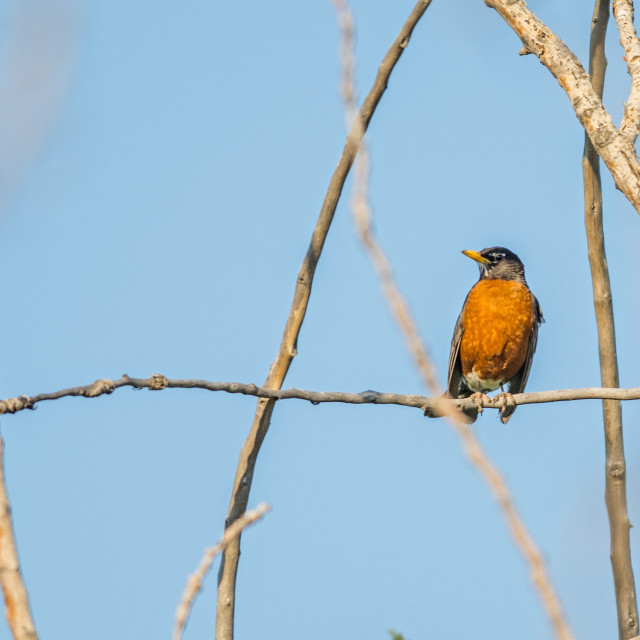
point(158, 382)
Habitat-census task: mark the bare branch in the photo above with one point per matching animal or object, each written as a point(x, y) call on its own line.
point(16, 599)
point(615, 477)
point(195, 580)
point(616, 150)
point(158, 382)
point(288, 348)
point(623, 13)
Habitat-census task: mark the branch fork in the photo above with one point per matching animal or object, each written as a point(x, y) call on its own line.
point(614, 146)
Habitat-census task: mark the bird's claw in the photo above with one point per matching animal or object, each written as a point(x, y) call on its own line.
point(507, 401)
point(479, 399)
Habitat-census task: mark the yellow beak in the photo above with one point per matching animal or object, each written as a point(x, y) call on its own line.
point(474, 255)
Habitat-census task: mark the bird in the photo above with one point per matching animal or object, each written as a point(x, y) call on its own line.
point(496, 333)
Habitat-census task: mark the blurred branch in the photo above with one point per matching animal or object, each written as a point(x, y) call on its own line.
point(362, 211)
point(16, 599)
point(194, 583)
point(400, 309)
point(158, 382)
point(623, 13)
point(616, 149)
point(615, 477)
point(36, 64)
point(288, 345)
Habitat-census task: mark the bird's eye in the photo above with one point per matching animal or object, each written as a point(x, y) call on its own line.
point(497, 256)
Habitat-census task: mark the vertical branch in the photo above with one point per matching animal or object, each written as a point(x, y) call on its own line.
point(195, 580)
point(287, 351)
point(615, 478)
point(399, 307)
point(16, 599)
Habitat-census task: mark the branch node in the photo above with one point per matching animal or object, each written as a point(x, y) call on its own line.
point(98, 388)
point(616, 470)
point(370, 396)
point(12, 405)
point(158, 382)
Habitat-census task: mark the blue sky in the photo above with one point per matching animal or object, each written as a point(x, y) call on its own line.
point(159, 227)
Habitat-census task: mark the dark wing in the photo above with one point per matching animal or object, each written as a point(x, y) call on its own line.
point(454, 379)
point(519, 381)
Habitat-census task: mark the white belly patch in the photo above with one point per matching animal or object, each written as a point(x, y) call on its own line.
point(475, 384)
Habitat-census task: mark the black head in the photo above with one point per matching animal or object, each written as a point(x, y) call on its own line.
point(498, 263)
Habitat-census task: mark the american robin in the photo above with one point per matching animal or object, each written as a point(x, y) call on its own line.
point(497, 331)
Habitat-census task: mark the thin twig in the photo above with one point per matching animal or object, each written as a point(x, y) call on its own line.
point(158, 382)
point(400, 309)
point(16, 598)
point(616, 150)
point(615, 477)
point(288, 346)
point(623, 13)
point(195, 580)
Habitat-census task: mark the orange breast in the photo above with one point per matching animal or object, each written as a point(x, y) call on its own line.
point(498, 321)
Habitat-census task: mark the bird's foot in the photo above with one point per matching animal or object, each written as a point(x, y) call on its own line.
point(479, 399)
point(508, 403)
